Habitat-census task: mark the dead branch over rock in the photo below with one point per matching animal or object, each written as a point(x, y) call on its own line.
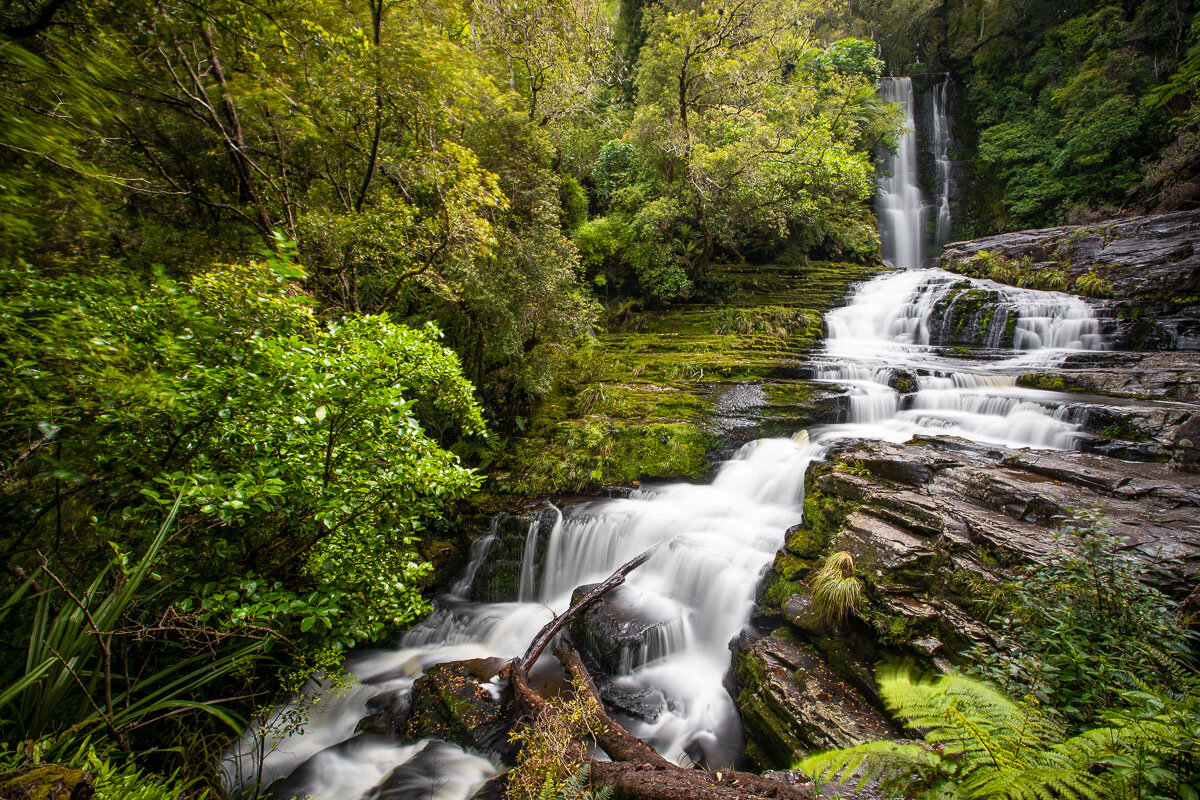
point(637, 771)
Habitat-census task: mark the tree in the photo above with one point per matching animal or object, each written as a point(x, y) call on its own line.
point(752, 133)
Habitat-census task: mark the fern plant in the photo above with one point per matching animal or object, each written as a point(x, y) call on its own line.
point(978, 743)
point(576, 788)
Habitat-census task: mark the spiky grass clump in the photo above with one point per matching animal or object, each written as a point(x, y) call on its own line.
point(836, 592)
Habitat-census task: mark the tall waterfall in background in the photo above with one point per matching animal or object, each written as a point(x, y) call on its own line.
point(900, 202)
point(939, 126)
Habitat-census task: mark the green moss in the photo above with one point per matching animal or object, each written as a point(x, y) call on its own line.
point(1053, 383)
point(775, 592)
point(636, 402)
point(823, 518)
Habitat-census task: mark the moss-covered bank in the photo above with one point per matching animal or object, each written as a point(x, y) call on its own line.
point(642, 399)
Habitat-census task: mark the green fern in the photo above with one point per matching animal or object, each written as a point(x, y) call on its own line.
point(978, 743)
point(575, 788)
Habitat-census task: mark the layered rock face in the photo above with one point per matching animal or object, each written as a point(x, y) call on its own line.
point(1152, 264)
point(937, 524)
point(932, 525)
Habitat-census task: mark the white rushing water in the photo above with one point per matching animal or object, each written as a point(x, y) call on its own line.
point(712, 543)
point(696, 592)
point(888, 332)
point(942, 140)
point(899, 202)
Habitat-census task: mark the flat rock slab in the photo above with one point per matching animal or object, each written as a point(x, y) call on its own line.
point(792, 703)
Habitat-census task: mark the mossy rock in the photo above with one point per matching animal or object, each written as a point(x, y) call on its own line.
point(804, 542)
point(47, 782)
point(450, 702)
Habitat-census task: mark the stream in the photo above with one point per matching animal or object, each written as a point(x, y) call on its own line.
point(698, 589)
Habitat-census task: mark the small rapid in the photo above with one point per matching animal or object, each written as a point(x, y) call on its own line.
point(894, 348)
point(903, 381)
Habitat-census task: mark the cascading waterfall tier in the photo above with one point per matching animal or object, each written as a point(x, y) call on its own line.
point(942, 140)
point(712, 542)
point(888, 347)
point(899, 202)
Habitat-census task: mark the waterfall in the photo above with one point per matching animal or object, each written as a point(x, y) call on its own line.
point(710, 545)
point(888, 330)
point(939, 126)
point(899, 202)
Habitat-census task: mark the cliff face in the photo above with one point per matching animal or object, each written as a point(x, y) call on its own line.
point(936, 524)
point(1149, 266)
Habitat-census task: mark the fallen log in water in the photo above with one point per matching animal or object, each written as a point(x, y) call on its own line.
point(636, 771)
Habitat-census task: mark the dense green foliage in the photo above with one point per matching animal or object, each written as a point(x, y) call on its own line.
point(1084, 626)
point(1071, 107)
point(979, 743)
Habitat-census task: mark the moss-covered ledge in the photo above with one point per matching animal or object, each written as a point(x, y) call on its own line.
point(644, 399)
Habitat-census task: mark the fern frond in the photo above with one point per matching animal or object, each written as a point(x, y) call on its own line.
point(870, 761)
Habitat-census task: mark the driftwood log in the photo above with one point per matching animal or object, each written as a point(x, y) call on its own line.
point(637, 771)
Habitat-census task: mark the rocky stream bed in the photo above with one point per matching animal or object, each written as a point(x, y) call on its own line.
point(945, 438)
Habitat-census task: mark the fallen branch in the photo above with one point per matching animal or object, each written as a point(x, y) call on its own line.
point(637, 771)
point(558, 623)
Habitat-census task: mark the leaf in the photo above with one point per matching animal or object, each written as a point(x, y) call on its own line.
point(307, 624)
point(320, 413)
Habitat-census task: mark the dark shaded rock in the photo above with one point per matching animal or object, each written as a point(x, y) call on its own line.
point(463, 702)
point(46, 782)
point(493, 789)
point(801, 612)
point(395, 706)
point(498, 579)
point(429, 773)
point(792, 703)
point(621, 631)
point(379, 722)
point(643, 704)
point(1152, 263)
point(300, 782)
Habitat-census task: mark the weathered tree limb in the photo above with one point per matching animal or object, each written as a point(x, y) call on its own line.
point(558, 623)
point(619, 743)
point(637, 771)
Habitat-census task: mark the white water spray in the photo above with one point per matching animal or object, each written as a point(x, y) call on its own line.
point(899, 202)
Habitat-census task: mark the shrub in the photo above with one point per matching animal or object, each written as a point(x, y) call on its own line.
point(836, 591)
point(550, 763)
point(1085, 624)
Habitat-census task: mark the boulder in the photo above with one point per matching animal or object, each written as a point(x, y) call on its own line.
point(792, 703)
point(46, 782)
point(622, 630)
point(465, 702)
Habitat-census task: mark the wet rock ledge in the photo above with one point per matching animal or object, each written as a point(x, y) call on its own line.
point(1149, 268)
point(931, 524)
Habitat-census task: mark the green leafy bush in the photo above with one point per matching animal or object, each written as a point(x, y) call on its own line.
point(1085, 625)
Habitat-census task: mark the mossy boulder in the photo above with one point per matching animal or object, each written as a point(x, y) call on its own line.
point(47, 782)
point(465, 702)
